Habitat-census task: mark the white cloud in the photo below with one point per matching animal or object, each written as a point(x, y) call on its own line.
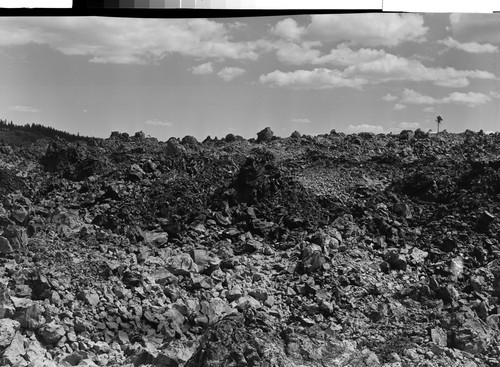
point(129, 40)
point(311, 79)
point(229, 73)
point(475, 27)
point(301, 120)
point(393, 68)
point(24, 109)
point(365, 128)
point(370, 66)
point(471, 47)
point(297, 54)
point(342, 55)
point(399, 106)
point(429, 109)
point(414, 97)
point(288, 29)
point(494, 94)
point(409, 125)
point(155, 122)
point(470, 99)
point(389, 97)
point(377, 66)
point(206, 68)
point(367, 29)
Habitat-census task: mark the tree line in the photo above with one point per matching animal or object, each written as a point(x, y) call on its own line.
point(47, 131)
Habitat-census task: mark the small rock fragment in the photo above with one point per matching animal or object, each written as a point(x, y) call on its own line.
point(13, 355)
point(181, 264)
point(5, 246)
point(8, 329)
point(439, 336)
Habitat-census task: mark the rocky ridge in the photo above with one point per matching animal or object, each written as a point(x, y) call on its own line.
point(332, 250)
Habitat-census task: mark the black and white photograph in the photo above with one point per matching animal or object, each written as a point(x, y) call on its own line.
point(280, 190)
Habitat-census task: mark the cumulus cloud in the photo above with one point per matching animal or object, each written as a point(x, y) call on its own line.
point(129, 41)
point(155, 122)
point(24, 109)
point(414, 97)
point(288, 29)
point(471, 47)
point(395, 68)
point(311, 79)
point(399, 106)
point(301, 120)
point(475, 27)
point(365, 128)
point(206, 68)
point(494, 94)
point(306, 53)
point(229, 73)
point(297, 54)
point(389, 97)
point(470, 99)
point(376, 66)
point(429, 109)
point(367, 29)
point(368, 66)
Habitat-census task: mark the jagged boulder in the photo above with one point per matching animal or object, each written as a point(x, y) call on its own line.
point(74, 161)
point(231, 343)
point(265, 135)
point(8, 329)
point(174, 147)
point(9, 182)
point(190, 141)
point(256, 179)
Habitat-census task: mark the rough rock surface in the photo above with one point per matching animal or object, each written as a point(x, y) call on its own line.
point(328, 250)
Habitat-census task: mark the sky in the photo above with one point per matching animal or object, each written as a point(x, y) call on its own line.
point(209, 77)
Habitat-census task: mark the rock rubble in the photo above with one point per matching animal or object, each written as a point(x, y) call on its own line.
point(338, 250)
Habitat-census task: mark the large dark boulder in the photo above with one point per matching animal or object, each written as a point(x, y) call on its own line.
point(9, 182)
point(74, 161)
point(190, 141)
point(256, 180)
point(265, 135)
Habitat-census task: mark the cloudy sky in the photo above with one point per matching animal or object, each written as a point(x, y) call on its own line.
point(311, 73)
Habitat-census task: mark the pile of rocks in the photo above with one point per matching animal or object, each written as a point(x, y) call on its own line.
point(338, 250)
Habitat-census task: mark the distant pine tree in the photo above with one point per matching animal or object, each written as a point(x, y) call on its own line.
point(439, 119)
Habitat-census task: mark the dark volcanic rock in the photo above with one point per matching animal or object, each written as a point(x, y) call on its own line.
point(9, 182)
point(51, 333)
point(190, 141)
point(74, 161)
point(265, 135)
point(231, 343)
point(329, 250)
